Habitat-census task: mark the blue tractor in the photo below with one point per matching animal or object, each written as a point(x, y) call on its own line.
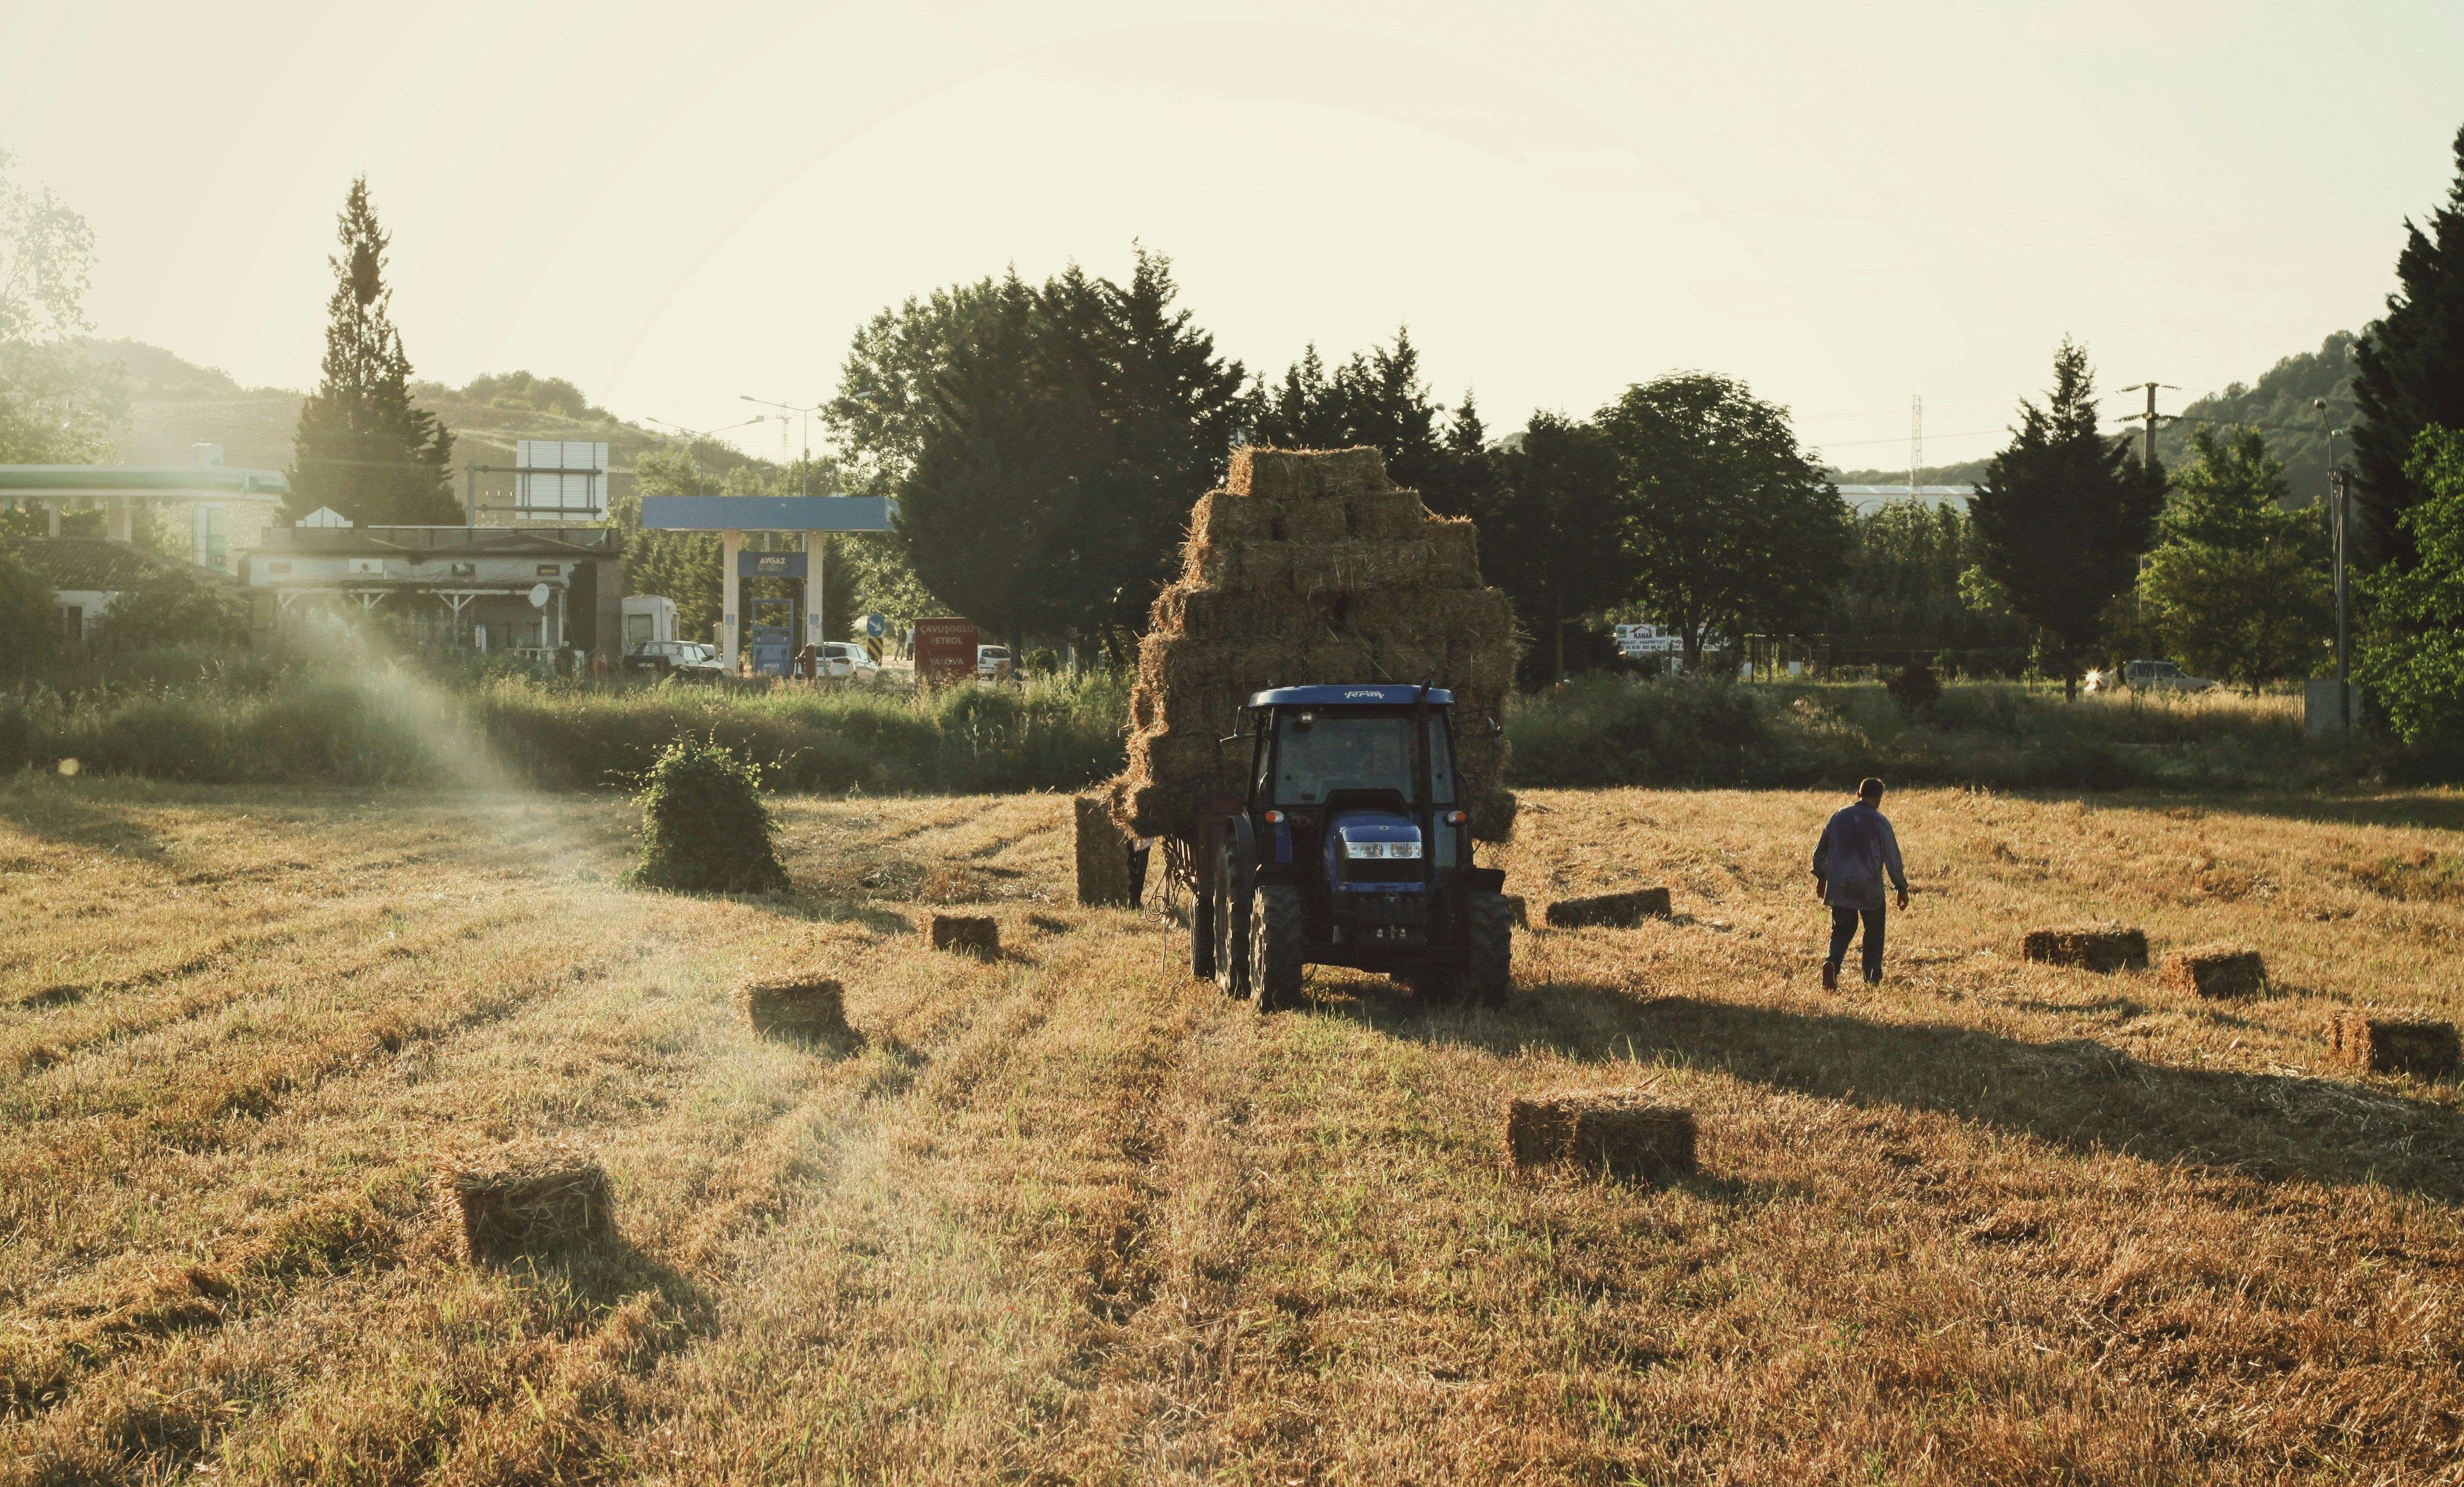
point(1352, 849)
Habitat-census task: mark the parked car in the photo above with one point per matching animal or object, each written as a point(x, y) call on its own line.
point(846, 657)
point(685, 659)
point(2163, 677)
point(993, 664)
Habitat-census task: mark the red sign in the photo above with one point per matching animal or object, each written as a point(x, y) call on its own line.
point(945, 651)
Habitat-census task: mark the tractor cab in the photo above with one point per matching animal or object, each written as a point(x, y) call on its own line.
point(1351, 849)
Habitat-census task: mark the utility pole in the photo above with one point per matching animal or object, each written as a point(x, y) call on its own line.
point(2148, 445)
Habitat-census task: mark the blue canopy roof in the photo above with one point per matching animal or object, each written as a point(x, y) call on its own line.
point(1366, 694)
point(767, 513)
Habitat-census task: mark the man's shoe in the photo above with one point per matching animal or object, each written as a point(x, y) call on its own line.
point(1830, 978)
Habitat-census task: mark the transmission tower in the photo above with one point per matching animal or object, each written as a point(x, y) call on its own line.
point(1916, 440)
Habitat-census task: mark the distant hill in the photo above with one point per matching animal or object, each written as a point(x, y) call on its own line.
point(2278, 407)
point(175, 404)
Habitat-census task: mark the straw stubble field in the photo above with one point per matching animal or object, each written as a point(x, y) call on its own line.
point(1069, 1215)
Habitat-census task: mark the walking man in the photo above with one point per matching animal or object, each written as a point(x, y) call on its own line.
point(1858, 846)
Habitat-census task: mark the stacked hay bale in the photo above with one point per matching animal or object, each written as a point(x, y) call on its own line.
point(1309, 567)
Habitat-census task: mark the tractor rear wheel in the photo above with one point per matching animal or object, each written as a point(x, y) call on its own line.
point(1231, 938)
point(1488, 946)
point(1202, 931)
point(1277, 924)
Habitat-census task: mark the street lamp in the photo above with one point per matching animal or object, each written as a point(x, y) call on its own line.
point(2337, 499)
point(805, 416)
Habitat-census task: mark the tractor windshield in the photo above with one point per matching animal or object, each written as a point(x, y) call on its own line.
point(1318, 753)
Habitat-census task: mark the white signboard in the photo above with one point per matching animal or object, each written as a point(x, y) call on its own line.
point(560, 480)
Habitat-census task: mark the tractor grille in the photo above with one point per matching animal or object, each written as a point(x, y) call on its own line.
point(1377, 870)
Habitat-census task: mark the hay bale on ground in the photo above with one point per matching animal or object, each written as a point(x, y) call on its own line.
point(1103, 854)
point(2217, 970)
point(2096, 947)
point(2419, 1046)
point(1617, 910)
point(1619, 1132)
point(1518, 910)
point(527, 1199)
point(965, 934)
point(796, 1007)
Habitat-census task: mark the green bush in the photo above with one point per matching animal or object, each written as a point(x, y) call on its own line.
point(1695, 732)
point(704, 828)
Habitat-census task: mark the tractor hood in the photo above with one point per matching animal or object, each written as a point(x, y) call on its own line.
point(1374, 852)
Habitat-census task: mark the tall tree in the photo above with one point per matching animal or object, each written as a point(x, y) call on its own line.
point(981, 506)
point(1045, 445)
point(1729, 524)
point(2412, 375)
point(2063, 514)
point(1900, 596)
point(2240, 584)
point(1551, 524)
point(1377, 397)
point(363, 447)
point(2412, 652)
point(58, 404)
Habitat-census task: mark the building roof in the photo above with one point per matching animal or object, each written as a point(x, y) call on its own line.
point(151, 482)
point(1367, 695)
point(432, 544)
point(107, 567)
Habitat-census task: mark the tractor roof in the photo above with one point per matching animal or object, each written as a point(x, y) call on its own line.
point(1367, 695)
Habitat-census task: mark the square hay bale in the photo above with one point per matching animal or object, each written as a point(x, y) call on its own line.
point(1249, 565)
point(1614, 1132)
point(1454, 560)
point(1352, 566)
point(1617, 910)
point(1320, 520)
point(807, 1007)
point(1387, 515)
point(1414, 659)
point(1221, 516)
point(527, 1199)
point(1103, 854)
point(1518, 910)
point(1492, 814)
point(2103, 949)
point(2419, 1046)
point(2217, 970)
point(1289, 475)
point(965, 934)
point(1169, 664)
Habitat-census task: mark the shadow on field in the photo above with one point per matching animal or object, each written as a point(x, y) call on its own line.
point(2076, 1093)
point(56, 811)
point(2442, 811)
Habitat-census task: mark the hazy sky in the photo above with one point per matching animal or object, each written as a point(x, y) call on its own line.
point(1841, 204)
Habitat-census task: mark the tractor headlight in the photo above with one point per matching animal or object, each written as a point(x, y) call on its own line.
point(1380, 850)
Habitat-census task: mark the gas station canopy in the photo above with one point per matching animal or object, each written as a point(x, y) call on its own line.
point(767, 513)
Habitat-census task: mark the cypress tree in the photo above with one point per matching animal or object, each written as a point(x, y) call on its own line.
point(2412, 375)
point(2063, 514)
point(361, 447)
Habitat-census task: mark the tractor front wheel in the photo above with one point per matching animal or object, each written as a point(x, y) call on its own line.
point(1277, 924)
point(1488, 946)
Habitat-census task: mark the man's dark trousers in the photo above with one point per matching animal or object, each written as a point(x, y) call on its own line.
point(1843, 928)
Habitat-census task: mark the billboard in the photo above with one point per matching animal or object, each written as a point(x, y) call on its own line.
point(560, 480)
point(945, 651)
